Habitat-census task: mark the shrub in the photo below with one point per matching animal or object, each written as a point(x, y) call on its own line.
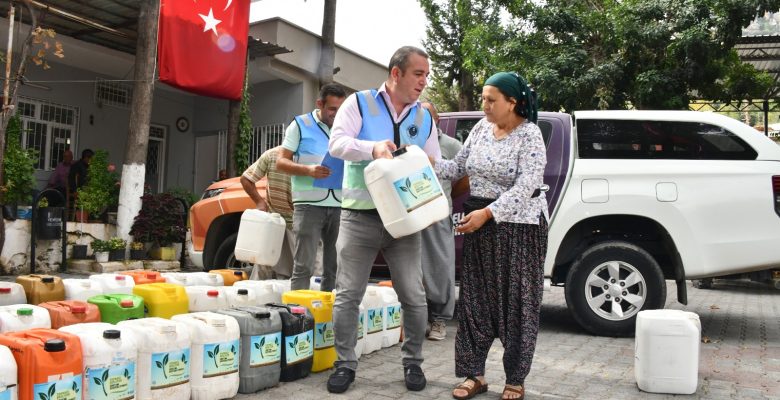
point(117, 243)
point(161, 220)
point(18, 166)
point(98, 193)
point(100, 245)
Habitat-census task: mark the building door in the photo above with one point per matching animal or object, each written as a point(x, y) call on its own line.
point(155, 158)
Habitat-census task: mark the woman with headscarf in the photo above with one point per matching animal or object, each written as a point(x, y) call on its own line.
point(502, 273)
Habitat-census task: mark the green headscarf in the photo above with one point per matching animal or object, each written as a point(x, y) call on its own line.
point(514, 85)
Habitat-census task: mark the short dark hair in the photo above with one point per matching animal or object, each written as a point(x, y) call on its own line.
point(86, 153)
point(332, 89)
point(400, 58)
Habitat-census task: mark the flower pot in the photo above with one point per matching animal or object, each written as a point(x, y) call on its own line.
point(101, 256)
point(116, 255)
point(167, 253)
point(138, 254)
point(111, 218)
point(79, 252)
point(81, 216)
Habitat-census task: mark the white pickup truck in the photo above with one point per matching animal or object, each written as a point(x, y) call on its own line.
point(635, 197)
point(639, 197)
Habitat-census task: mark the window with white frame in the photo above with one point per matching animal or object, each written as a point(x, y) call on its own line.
point(48, 128)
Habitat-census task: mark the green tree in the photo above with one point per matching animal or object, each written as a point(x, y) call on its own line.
point(454, 27)
point(643, 53)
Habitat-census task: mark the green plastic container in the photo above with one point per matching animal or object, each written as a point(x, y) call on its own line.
point(118, 307)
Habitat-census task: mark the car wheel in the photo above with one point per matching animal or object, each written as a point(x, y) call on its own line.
point(705, 283)
point(610, 283)
point(225, 256)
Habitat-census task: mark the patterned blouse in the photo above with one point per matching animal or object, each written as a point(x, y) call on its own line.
point(508, 170)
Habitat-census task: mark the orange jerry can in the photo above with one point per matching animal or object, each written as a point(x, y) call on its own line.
point(42, 288)
point(230, 276)
point(142, 276)
point(69, 312)
point(49, 363)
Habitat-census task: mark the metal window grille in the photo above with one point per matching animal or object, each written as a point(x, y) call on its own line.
point(49, 128)
point(116, 94)
point(263, 138)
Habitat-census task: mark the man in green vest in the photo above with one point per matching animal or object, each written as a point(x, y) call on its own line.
point(372, 124)
point(317, 201)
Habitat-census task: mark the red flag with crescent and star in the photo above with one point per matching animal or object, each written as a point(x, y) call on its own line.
point(202, 45)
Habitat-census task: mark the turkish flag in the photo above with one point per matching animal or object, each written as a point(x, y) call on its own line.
point(201, 46)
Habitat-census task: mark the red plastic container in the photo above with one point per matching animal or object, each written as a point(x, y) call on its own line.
point(69, 312)
point(142, 276)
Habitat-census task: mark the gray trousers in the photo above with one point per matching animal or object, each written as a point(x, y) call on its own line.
point(312, 224)
point(438, 266)
point(361, 237)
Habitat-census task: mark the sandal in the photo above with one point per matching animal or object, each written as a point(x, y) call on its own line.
point(509, 389)
point(471, 390)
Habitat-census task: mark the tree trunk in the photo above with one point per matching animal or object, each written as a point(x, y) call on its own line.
point(134, 167)
point(9, 103)
point(234, 112)
point(328, 48)
point(466, 91)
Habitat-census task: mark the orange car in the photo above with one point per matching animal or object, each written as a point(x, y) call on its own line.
point(214, 223)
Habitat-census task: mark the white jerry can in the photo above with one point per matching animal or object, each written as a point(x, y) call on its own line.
point(406, 191)
point(260, 237)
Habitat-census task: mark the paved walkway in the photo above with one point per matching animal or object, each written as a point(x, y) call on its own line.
point(740, 356)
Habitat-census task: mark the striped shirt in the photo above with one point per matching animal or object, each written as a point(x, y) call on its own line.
point(278, 191)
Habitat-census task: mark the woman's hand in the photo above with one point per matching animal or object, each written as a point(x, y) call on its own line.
point(474, 220)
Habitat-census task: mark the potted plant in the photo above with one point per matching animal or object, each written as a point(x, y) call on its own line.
point(18, 171)
point(137, 251)
point(116, 249)
point(95, 196)
point(160, 221)
point(100, 249)
point(78, 251)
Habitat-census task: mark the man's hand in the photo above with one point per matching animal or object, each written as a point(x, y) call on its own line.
point(262, 205)
point(383, 149)
point(318, 171)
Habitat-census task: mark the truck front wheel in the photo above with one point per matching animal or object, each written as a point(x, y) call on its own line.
point(225, 257)
point(610, 283)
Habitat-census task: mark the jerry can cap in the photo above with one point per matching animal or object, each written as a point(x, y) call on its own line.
point(78, 309)
point(126, 303)
point(297, 310)
point(242, 292)
point(47, 279)
point(5, 290)
point(119, 277)
point(212, 293)
point(54, 345)
point(261, 314)
point(111, 334)
point(24, 311)
point(238, 273)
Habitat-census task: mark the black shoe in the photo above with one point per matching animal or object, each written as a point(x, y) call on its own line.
point(339, 381)
point(414, 378)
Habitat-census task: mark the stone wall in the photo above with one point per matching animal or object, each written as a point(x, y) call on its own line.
point(15, 257)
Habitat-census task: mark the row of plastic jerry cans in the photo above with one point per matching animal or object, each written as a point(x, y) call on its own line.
point(203, 355)
point(150, 300)
point(35, 289)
